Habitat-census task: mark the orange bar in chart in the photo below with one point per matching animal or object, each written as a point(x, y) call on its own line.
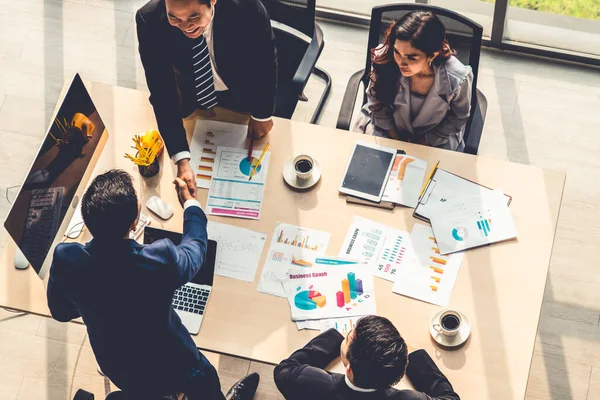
point(207, 159)
point(436, 279)
point(203, 168)
point(204, 177)
point(436, 250)
point(434, 288)
point(346, 290)
point(438, 260)
point(432, 238)
point(435, 269)
point(403, 165)
point(208, 151)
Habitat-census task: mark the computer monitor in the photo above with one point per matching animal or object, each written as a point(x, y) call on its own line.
point(48, 197)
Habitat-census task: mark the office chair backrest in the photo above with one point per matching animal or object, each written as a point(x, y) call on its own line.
point(298, 14)
point(463, 34)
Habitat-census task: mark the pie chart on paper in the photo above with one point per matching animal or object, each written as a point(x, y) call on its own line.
point(459, 234)
point(246, 166)
point(309, 300)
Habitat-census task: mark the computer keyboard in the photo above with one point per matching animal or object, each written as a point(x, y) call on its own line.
point(191, 299)
point(143, 222)
point(43, 220)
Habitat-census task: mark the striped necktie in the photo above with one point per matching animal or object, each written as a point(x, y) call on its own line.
point(203, 77)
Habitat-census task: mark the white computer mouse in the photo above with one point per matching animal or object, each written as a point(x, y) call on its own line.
point(159, 207)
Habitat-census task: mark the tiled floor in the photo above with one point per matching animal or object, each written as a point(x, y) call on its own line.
point(540, 113)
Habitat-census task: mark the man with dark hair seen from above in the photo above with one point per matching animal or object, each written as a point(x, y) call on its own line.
point(375, 358)
point(124, 290)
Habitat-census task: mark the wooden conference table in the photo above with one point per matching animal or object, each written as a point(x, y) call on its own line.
point(500, 288)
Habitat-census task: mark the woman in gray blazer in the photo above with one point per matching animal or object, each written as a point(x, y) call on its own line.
point(418, 91)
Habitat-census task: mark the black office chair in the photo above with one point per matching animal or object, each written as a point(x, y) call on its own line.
point(297, 55)
point(463, 35)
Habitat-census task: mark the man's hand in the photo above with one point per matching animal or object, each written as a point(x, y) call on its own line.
point(259, 128)
point(186, 174)
point(183, 191)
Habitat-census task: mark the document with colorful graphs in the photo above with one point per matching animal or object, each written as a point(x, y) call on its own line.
point(431, 277)
point(470, 222)
point(291, 246)
point(405, 181)
point(208, 135)
point(330, 292)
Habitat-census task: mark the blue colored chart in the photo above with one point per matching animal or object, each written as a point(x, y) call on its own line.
point(459, 234)
point(246, 166)
point(395, 252)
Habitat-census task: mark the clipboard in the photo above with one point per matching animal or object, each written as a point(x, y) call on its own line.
point(441, 186)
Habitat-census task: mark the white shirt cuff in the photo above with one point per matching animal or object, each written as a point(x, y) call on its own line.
point(191, 203)
point(261, 119)
point(180, 156)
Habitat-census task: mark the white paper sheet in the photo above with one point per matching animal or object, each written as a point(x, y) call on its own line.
point(342, 325)
point(431, 278)
point(406, 181)
point(364, 240)
point(290, 246)
point(238, 250)
point(330, 292)
point(472, 222)
point(396, 253)
point(208, 135)
point(231, 192)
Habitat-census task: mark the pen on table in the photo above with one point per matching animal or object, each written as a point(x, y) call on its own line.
point(259, 160)
point(428, 179)
point(251, 148)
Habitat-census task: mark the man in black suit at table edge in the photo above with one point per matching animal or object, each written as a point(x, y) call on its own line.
point(375, 358)
point(199, 54)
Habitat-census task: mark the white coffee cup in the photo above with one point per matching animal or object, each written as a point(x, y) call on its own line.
point(303, 166)
point(448, 323)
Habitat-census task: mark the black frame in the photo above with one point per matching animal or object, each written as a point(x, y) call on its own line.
point(496, 41)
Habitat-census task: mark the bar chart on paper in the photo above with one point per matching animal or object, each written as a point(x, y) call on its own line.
point(296, 239)
point(431, 278)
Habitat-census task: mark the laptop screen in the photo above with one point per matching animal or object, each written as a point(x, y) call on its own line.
point(207, 271)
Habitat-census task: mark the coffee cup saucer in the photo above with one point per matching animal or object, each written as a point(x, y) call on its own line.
point(450, 342)
point(289, 175)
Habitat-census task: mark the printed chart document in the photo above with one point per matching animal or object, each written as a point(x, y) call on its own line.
point(231, 194)
point(364, 240)
point(396, 253)
point(330, 292)
point(472, 222)
point(238, 250)
point(317, 324)
point(406, 181)
point(291, 246)
point(431, 278)
point(385, 248)
point(208, 135)
point(342, 325)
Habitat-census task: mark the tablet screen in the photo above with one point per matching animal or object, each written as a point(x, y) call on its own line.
point(367, 171)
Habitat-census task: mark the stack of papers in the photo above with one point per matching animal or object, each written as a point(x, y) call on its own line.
point(472, 221)
point(405, 181)
point(231, 192)
point(208, 135)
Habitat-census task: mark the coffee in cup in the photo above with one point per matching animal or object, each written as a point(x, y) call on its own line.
point(449, 323)
point(303, 166)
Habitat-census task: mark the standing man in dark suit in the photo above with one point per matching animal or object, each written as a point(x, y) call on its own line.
point(375, 358)
point(123, 291)
point(204, 53)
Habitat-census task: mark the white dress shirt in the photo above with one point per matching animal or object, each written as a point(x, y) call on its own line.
point(220, 86)
point(356, 388)
point(191, 203)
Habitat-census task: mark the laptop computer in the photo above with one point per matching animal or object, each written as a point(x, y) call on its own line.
point(191, 299)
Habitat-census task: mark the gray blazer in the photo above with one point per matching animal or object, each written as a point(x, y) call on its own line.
point(442, 118)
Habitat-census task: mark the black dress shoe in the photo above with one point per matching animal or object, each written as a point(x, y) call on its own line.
point(244, 389)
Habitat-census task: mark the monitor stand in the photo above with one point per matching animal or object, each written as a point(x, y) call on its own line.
point(20, 260)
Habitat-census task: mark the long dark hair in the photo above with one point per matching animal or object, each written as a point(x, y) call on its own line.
point(425, 32)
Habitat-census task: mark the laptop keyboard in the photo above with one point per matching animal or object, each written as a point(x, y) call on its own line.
point(190, 299)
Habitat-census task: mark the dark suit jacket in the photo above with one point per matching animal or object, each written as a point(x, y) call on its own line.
point(123, 292)
point(302, 377)
point(245, 57)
